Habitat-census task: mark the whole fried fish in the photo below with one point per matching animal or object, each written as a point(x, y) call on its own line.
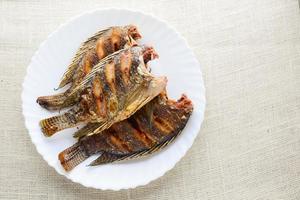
point(97, 47)
point(150, 129)
point(115, 89)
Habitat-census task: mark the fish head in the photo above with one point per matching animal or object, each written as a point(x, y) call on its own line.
point(133, 32)
point(142, 54)
point(183, 104)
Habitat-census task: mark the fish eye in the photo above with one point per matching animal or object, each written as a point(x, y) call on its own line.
point(133, 28)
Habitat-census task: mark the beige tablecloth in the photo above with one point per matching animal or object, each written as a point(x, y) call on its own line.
point(249, 143)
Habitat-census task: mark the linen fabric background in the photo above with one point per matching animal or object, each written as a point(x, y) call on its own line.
point(249, 143)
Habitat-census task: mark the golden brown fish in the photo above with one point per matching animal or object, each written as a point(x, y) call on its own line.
point(115, 89)
point(150, 129)
point(97, 47)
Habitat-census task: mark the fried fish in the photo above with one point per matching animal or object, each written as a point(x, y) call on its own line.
point(150, 129)
point(114, 90)
point(102, 44)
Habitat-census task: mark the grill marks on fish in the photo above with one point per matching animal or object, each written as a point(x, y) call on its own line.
point(134, 138)
point(115, 39)
point(80, 54)
point(118, 143)
point(100, 48)
point(139, 134)
point(163, 125)
point(88, 62)
point(119, 82)
point(106, 91)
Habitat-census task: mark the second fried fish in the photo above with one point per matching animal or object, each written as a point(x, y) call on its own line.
point(114, 90)
point(150, 129)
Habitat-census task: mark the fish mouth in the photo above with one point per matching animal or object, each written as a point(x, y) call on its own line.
point(149, 54)
point(136, 35)
point(132, 42)
point(133, 32)
point(182, 103)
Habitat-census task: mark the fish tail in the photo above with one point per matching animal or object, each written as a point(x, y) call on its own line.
point(53, 102)
point(72, 156)
point(54, 124)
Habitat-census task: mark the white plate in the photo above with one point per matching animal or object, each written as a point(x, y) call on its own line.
point(176, 61)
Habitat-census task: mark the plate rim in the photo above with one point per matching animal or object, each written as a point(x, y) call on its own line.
point(91, 12)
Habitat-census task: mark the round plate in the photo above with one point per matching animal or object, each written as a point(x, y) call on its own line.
point(176, 61)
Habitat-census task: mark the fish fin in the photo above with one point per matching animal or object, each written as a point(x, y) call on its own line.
point(84, 47)
point(52, 102)
point(105, 158)
point(72, 156)
point(54, 124)
point(142, 96)
point(148, 112)
point(153, 149)
point(101, 127)
point(85, 130)
point(96, 128)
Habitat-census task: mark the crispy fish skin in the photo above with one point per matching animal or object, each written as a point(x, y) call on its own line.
point(102, 44)
point(115, 89)
point(150, 129)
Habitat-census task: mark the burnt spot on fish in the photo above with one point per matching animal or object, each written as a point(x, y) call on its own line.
point(133, 70)
point(113, 105)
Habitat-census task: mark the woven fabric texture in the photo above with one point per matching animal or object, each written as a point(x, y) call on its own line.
point(249, 143)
